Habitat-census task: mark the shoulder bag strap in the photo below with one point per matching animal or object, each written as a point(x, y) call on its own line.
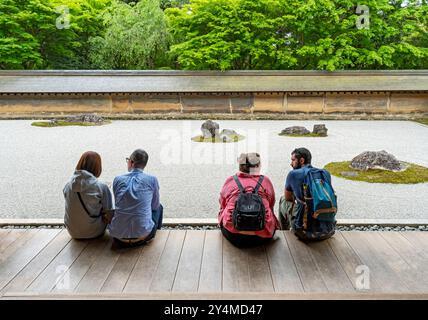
point(84, 207)
point(259, 183)
point(241, 188)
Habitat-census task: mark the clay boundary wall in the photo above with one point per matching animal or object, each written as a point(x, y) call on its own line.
point(244, 103)
point(61, 92)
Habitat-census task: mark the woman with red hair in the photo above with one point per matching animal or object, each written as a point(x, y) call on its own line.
point(87, 200)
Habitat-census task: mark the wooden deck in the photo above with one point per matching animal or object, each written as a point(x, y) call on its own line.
point(179, 264)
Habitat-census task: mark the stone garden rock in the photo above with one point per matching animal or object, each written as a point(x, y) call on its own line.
point(210, 129)
point(295, 130)
point(376, 160)
point(92, 118)
point(228, 132)
point(228, 135)
point(226, 138)
point(320, 129)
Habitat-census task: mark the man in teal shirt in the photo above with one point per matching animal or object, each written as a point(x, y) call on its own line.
point(292, 204)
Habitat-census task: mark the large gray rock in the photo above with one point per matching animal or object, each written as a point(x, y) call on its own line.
point(295, 130)
point(320, 129)
point(210, 129)
point(376, 160)
point(92, 118)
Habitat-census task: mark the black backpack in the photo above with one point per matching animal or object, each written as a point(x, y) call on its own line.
point(249, 212)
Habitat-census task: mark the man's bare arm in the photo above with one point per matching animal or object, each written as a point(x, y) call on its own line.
point(289, 195)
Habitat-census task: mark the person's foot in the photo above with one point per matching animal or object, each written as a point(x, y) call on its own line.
point(310, 236)
point(283, 223)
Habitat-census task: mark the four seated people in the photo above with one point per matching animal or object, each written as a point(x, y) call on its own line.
point(246, 217)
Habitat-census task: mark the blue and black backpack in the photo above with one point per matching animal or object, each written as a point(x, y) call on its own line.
point(317, 218)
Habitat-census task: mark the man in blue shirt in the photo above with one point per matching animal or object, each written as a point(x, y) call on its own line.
point(289, 204)
point(292, 203)
point(138, 212)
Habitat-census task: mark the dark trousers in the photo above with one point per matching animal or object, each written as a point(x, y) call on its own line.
point(157, 217)
point(244, 240)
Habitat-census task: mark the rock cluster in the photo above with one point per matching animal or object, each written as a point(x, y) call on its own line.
point(92, 118)
point(295, 130)
point(376, 160)
point(210, 130)
point(319, 129)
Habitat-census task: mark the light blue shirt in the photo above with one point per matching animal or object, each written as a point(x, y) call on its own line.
point(136, 195)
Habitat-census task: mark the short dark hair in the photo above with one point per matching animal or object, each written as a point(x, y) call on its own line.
point(247, 161)
point(140, 158)
point(90, 161)
point(303, 153)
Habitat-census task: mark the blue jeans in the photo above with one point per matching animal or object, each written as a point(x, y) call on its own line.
point(157, 217)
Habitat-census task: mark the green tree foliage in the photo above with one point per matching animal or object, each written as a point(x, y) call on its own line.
point(299, 34)
point(31, 39)
point(231, 34)
point(136, 37)
point(214, 34)
point(327, 36)
point(20, 46)
point(86, 21)
point(164, 4)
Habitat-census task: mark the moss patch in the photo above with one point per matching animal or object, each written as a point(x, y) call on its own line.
point(48, 124)
point(413, 174)
point(235, 138)
point(302, 135)
point(423, 121)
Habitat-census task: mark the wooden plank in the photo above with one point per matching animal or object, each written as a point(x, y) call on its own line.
point(16, 262)
point(3, 235)
point(212, 262)
point(236, 273)
point(419, 241)
point(335, 278)
point(309, 273)
point(189, 266)
point(284, 272)
point(123, 267)
point(349, 261)
point(58, 266)
point(415, 263)
point(164, 276)
point(32, 270)
point(71, 278)
point(9, 237)
point(378, 268)
point(15, 240)
point(145, 268)
point(97, 274)
point(259, 270)
point(394, 261)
